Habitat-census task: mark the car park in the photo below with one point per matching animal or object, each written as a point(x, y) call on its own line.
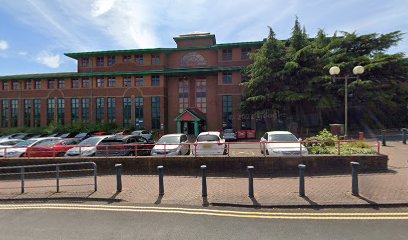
point(20, 148)
point(52, 148)
point(281, 143)
point(210, 143)
point(229, 134)
point(171, 145)
point(124, 145)
point(144, 133)
point(86, 148)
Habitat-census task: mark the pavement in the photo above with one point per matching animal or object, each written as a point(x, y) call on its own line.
point(328, 190)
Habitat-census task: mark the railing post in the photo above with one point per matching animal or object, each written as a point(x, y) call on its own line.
point(95, 177)
point(384, 143)
point(204, 180)
point(228, 149)
point(404, 135)
point(250, 181)
point(161, 182)
point(22, 179)
point(136, 150)
point(354, 178)
point(118, 168)
point(301, 180)
point(57, 177)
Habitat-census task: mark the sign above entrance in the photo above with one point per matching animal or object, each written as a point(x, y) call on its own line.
point(193, 59)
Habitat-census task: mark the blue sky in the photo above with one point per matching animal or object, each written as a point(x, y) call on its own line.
point(34, 34)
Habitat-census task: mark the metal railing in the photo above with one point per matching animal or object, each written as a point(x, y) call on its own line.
point(22, 172)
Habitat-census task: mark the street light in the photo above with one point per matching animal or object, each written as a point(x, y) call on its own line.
point(334, 72)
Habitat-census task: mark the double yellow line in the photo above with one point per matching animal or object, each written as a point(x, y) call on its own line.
point(216, 212)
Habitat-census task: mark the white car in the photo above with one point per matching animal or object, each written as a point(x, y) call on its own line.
point(20, 148)
point(87, 147)
point(281, 143)
point(171, 144)
point(210, 143)
point(144, 133)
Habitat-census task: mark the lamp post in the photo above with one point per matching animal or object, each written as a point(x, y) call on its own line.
point(334, 72)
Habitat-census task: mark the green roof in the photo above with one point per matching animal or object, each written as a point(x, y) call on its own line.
point(97, 74)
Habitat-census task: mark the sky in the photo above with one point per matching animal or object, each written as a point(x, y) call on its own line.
point(35, 34)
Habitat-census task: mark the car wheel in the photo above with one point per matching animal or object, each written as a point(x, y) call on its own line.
point(225, 151)
point(267, 152)
point(61, 154)
point(188, 152)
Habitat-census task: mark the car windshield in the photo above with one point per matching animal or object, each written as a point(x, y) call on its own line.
point(8, 143)
point(90, 141)
point(80, 135)
point(25, 143)
point(228, 131)
point(282, 138)
point(207, 138)
point(46, 143)
point(169, 140)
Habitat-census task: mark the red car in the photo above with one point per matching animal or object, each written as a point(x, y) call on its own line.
point(52, 148)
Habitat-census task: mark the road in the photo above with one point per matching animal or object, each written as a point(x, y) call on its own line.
point(38, 221)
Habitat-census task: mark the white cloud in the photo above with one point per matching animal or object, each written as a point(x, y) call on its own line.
point(22, 53)
point(100, 7)
point(3, 45)
point(49, 60)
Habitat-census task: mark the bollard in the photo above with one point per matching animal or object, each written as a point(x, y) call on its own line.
point(161, 183)
point(354, 178)
point(57, 177)
point(384, 143)
point(404, 135)
point(22, 179)
point(301, 180)
point(118, 168)
point(204, 180)
point(250, 181)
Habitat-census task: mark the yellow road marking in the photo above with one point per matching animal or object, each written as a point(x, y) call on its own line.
point(213, 212)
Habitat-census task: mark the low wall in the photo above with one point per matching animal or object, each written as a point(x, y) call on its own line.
point(221, 165)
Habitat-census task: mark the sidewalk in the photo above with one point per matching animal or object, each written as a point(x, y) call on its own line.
point(380, 188)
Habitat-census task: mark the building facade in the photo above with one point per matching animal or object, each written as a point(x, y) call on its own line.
point(190, 88)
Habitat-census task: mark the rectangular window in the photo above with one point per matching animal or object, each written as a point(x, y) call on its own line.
point(4, 113)
point(60, 111)
point(111, 110)
point(85, 83)
point(127, 111)
point(100, 82)
point(183, 95)
point(100, 109)
point(28, 84)
point(227, 54)
point(5, 86)
point(51, 84)
point(37, 112)
point(75, 83)
point(139, 59)
point(85, 110)
point(155, 80)
point(127, 81)
point(111, 82)
point(139, 81)
point(74, 110)
point(37, 84)
point(50, 110)
point(201, 95)
point(84, 62)
point(156, 59)
point(27, 112)
point(155, 112)
point(227, 77)
point(139, 103)
point(61, 83)
point(127, 58)
point(111, 60)
point(15, 85)
point(227, 110)
point(245, 53)
point(100, 61)
point(14, 112)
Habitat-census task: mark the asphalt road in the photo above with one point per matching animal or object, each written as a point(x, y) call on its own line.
point(111, 222)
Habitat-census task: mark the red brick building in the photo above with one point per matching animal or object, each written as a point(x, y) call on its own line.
point(192, 87)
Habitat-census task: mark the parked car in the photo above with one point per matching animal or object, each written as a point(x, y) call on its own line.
point(68, 135)
point(210, 143)
point(281, 143)
point(20, 148)
point(171, 144)
point(144, 133)
point(52, 148)
point(230, 134)
point(8, 143)
point(86, 148)
point(124, 145)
